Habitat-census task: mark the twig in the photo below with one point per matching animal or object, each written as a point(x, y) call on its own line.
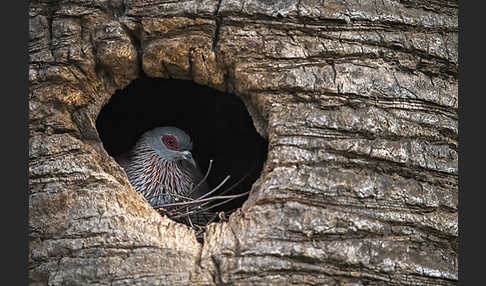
point(196, 201)
point(195, 211)
point(235, 184)
point(215, 189)
point(184, 206)
point(203, 179)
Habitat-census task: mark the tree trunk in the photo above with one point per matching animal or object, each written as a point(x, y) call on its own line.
point(358, 100)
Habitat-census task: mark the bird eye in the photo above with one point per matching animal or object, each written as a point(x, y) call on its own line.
point(170, 142)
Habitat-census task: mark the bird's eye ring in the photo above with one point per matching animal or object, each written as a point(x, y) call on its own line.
point(170, 142)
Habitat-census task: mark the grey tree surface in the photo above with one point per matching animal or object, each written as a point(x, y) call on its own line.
point(358, 100)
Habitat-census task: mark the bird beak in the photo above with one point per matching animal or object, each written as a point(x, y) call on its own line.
point(187, 155)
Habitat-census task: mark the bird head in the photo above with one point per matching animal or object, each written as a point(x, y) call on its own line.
point(171, 143)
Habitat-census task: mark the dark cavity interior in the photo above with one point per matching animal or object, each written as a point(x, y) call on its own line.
point(218, 123)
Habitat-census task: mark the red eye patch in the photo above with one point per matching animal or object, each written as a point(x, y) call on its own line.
point(170, 142)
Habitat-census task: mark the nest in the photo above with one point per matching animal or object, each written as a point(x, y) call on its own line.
point(199, 212)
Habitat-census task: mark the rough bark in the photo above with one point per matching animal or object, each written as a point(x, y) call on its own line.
point(358, 100)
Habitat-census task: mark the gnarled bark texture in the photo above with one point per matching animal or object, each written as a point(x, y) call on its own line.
point(358, 100)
